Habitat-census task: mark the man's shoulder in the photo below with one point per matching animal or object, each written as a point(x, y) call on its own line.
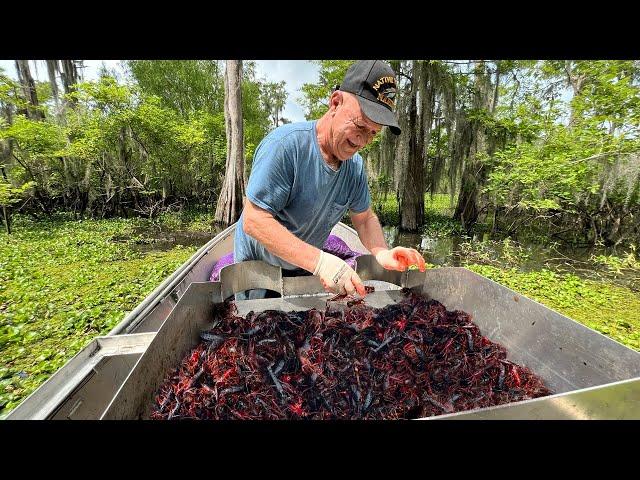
point(357, 158)
point(356, 162)
point(290, 131)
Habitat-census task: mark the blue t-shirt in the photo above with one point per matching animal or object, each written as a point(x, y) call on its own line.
point(291, 180)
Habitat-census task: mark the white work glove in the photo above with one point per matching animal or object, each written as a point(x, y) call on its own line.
point(337, 276)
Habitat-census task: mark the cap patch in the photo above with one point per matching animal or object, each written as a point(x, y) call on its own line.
point(385, 88)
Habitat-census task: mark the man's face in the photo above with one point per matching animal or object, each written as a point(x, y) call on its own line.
point(352, 130)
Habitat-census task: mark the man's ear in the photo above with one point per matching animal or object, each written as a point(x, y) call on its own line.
point(335, 100)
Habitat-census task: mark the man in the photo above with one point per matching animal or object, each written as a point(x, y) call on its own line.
point(306, 175)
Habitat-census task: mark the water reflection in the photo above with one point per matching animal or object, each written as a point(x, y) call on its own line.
point(162, 238)
point(437, 251)
point(526, 256)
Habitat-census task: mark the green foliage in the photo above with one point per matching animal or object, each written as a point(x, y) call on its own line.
point(438, 221)
point(274, 97)
point(163, 144)
point(380, 186)
point(122, 148)
point(386, 210)
point(256, 120)
point(372, 146)
point(61, 284)
point(618, 265)
point(439, 204)
point(105, 95)
point(196, 88)
point(530, 176)
point(190, 220)
point(36, 140)
point(8, 89)
point(10, 195)
point(316, 96)
point(505, 254)
point(608, 309)
point(12, 98)
point(560, 167)
point(184, 86)
point(436, 225)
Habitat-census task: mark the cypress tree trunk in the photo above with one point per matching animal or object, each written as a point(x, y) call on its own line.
point(53, 70)
point(474, 171)
point(28, 90)
point(411, 178)
point(576, 82)
point(70, 77)
point(229, 204)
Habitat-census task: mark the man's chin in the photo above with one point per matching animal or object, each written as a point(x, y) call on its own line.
point(344, 159)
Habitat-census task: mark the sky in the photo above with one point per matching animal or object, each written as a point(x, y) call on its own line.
point(294, 72)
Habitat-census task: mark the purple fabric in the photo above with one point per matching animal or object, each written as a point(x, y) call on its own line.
point(334, 245)
point(223, 262)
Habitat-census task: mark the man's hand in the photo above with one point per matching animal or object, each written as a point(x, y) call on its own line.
point(338, 277)
point(400, 258)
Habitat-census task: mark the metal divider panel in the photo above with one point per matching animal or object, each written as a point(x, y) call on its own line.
point(249, 275)
point(179, 333)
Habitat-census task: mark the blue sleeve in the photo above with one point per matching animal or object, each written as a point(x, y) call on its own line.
point(361, 199)
point(271, 177)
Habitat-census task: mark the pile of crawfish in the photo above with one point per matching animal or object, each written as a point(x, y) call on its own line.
point(407, 360)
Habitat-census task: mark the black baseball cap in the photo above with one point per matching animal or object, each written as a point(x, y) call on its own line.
point(373, 82)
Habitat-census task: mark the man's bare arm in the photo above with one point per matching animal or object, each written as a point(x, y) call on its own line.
point(260, 224)
point(369, 230)
point(334, 272)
